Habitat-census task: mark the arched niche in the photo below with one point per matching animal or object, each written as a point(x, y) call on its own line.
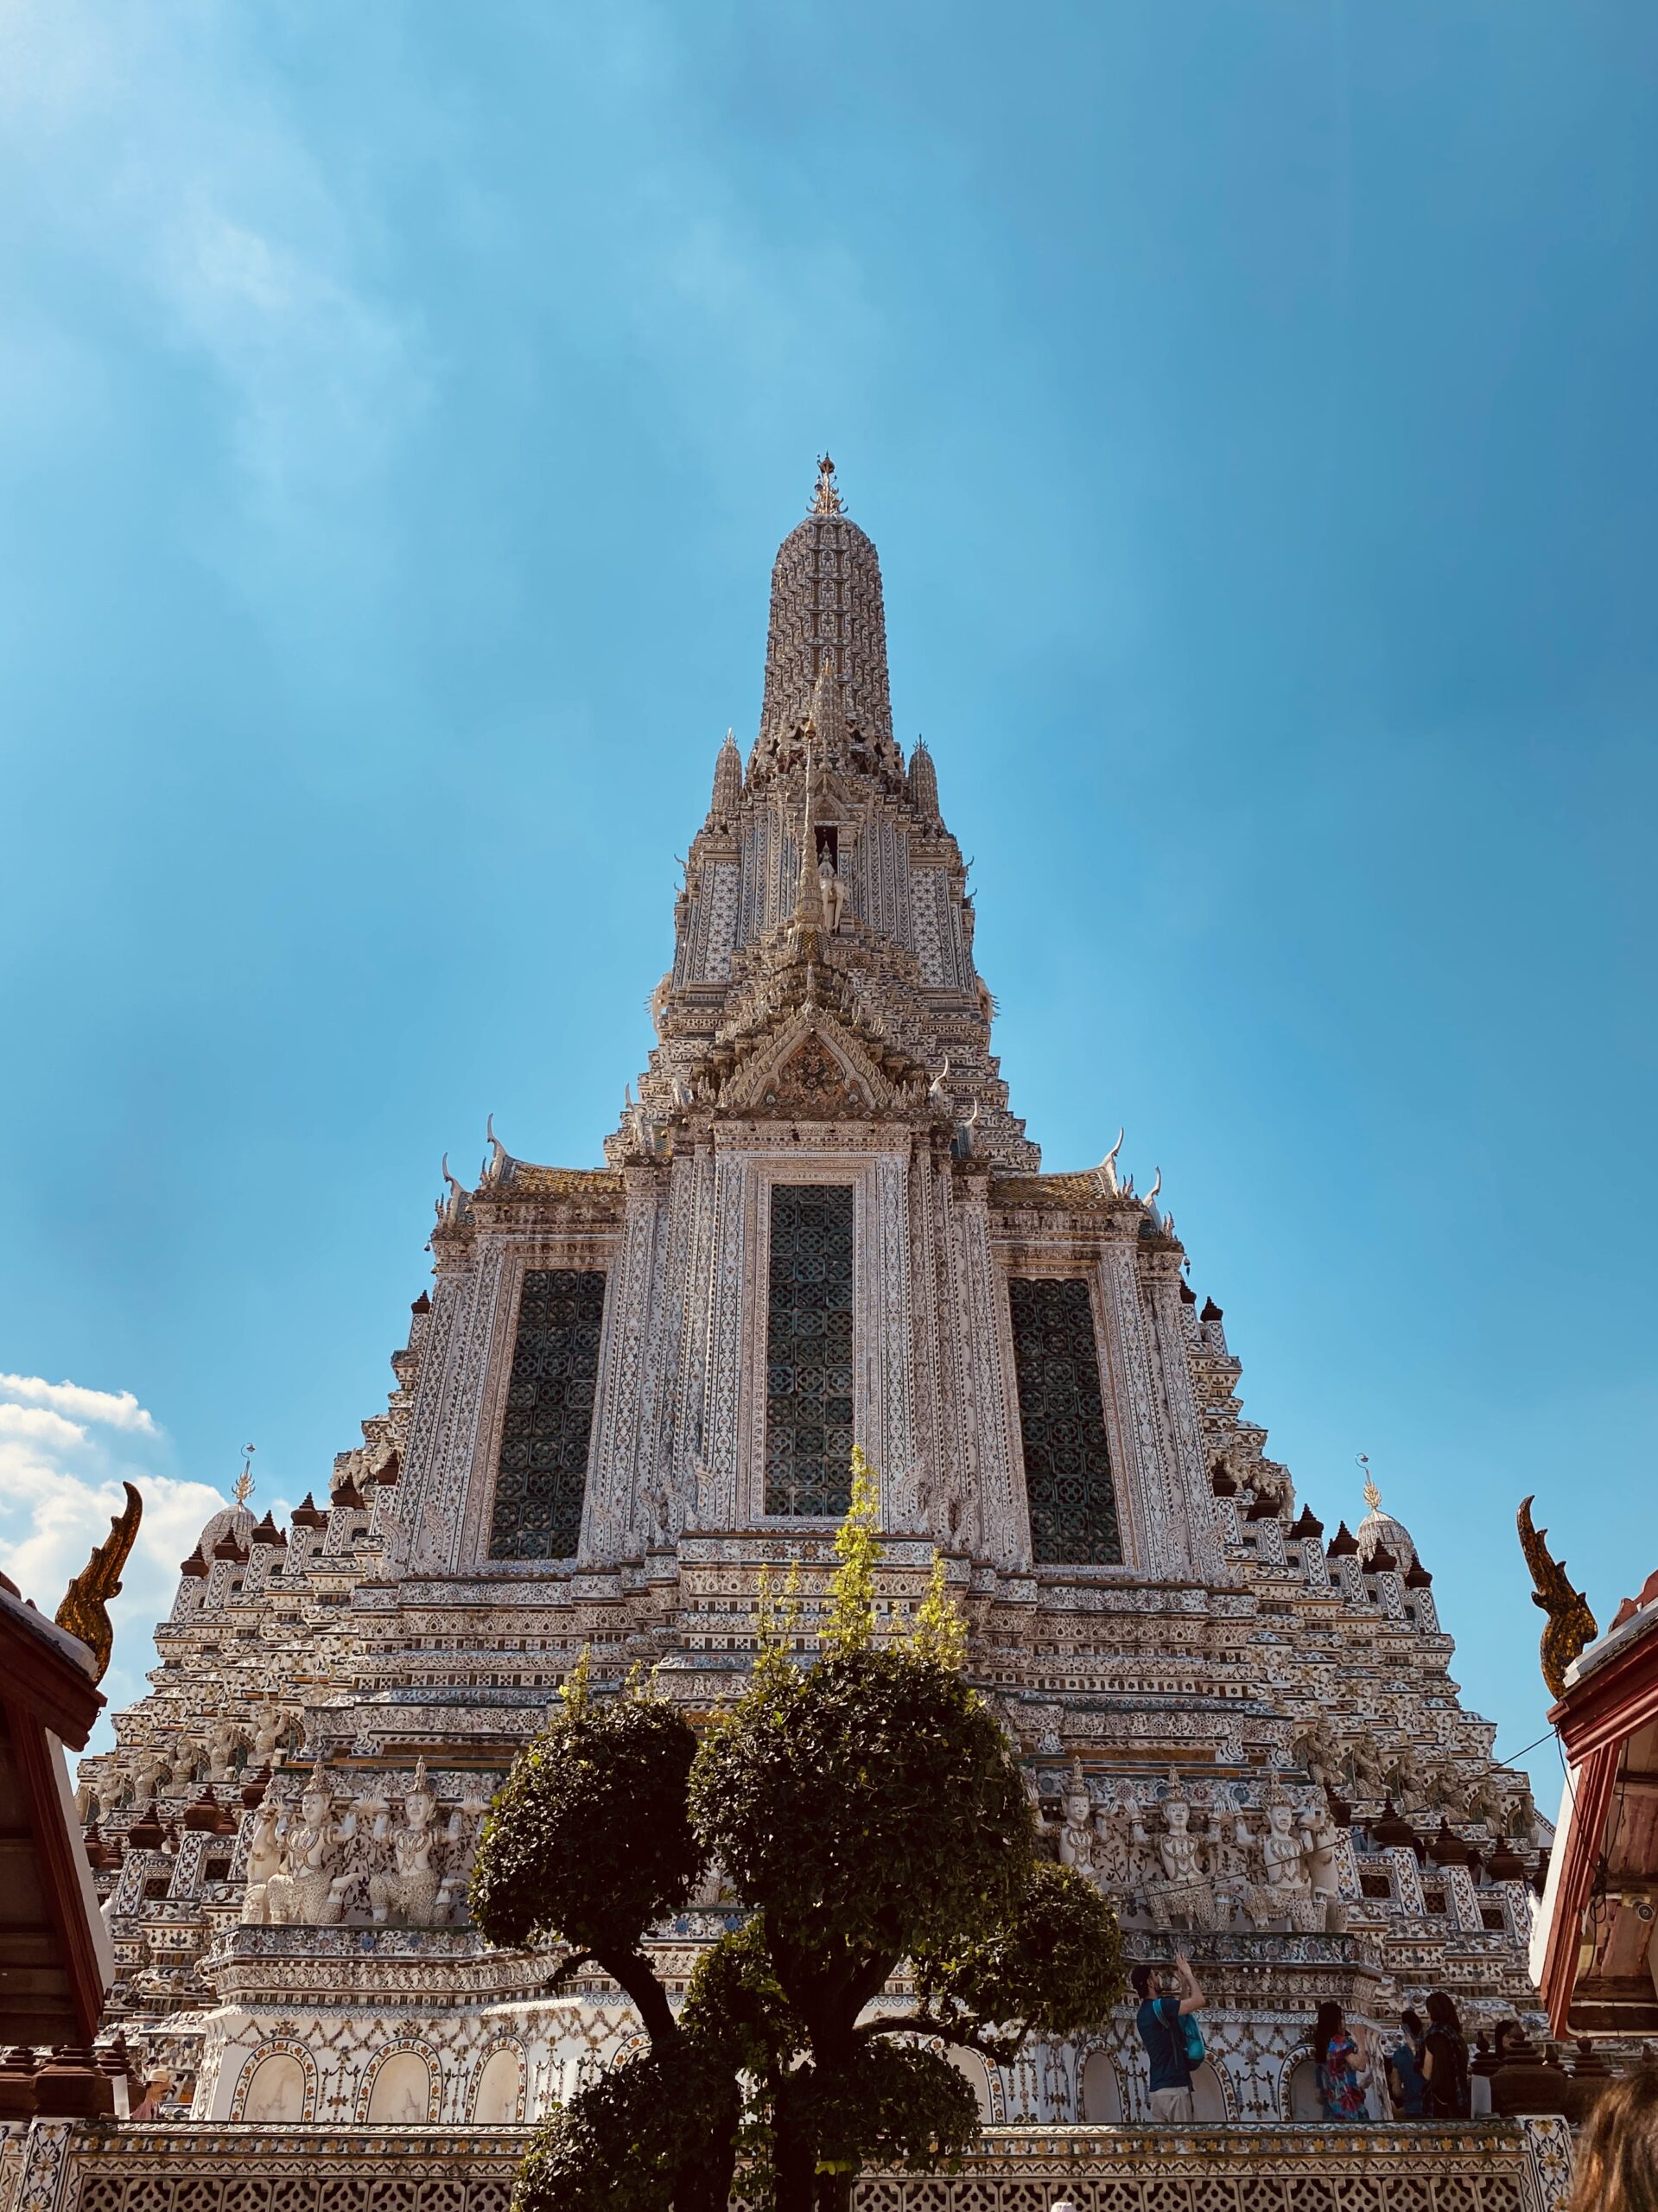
point(1301, 2098)
point(500, 2090)
point(1208, 2097)
point(275, 2095)
point(971, 2066)
point(401, 2091)
point(1102, 2091)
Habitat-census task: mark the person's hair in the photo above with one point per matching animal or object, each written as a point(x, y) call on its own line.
point(1443, 2013)
point(1410, 2020)
point(1329, 2026)
point(1142, 1978)
point(1617, 2153)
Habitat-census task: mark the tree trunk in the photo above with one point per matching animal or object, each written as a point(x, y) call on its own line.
point(834, 2192)
point(637, 1977)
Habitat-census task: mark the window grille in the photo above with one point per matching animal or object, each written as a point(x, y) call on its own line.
point(809, 1351)
point(541, 1472)
point(1067, 1482)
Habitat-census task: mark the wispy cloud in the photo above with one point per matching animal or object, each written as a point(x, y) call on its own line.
point(61, 1481)
point(159, 158)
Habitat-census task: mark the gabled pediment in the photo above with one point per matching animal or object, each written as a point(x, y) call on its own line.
point(813, 1069)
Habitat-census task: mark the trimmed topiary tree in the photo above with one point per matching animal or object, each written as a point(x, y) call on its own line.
point(871, 1817)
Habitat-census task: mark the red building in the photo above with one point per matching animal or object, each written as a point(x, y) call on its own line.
point(1592, 1952)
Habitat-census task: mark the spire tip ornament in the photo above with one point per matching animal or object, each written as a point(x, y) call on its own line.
point(826, 499)
point(1372, 1495)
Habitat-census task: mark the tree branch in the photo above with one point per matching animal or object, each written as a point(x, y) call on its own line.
point(969, 2034)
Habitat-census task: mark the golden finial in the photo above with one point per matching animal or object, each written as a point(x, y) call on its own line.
point(242, 1488)
point(826, 500)
point(1372, 1495)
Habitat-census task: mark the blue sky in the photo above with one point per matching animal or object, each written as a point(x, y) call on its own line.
point(399, 408)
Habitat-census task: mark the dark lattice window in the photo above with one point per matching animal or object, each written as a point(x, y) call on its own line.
point(542, 1469)
point(1067, 1461)
point(808, 1350)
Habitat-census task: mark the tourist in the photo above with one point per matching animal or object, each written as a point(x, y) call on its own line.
point(1344, 2074)
point(1405, 2082)
point(1616, 2168)
point(1171, 2048)
point(1445, 2060)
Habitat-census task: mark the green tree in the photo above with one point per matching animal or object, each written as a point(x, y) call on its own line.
point(872, 1819)
point(588, 1844)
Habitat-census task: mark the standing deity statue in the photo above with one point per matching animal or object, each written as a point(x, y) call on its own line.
point(185, 1761)
point(1314, 1746)
point(309, 1891)
point(1186, 1891)
point(410, 1886)
point(1113, 1858)
point(832, 891)
point(1282, 1862)
point(1323, 1842)
point(1407, 1781)
point(264, 1863)
point(1076, 1834)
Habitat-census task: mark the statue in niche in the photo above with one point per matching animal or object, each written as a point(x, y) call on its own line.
point(1443, 1787)
point(308, 1891)
point(264, 1863)
point(1314, 1746)
point(411, 1886)
point(1407, 1781)
point(148, 1773)
point(186, 1760)
point(225, 1739)
point(831, 891)
point(1486, 1803)
point(1363, 1769)
point(270, 1729)
point(1077, 1834)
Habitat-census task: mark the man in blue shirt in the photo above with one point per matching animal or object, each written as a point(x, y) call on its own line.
point(1159, 2022)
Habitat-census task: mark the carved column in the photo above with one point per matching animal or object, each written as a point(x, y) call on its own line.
point(1162, 1514)
point(449, 1400)
point(1188, 1471)
point(986, 1400)
point(607, 1515)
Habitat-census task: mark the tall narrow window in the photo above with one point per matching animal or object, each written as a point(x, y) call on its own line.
point(543, 1470)
point(1061, 1421)
point(808, 1350)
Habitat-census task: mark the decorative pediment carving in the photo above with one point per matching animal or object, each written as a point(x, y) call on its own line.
point(814, 1070)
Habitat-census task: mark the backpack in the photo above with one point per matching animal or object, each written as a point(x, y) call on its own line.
point(1192, 2037)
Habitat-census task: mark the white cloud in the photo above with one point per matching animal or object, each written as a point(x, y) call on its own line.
point(60, 1483)
point(115, 1409)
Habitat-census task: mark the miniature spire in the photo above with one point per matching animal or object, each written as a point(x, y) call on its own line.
point(826, 499)
point(924, 782)
point(727, 781)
